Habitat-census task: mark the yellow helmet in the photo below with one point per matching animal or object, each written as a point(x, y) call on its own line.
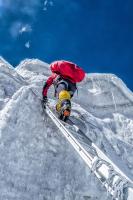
point(64, 94)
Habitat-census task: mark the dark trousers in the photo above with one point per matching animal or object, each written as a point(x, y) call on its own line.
point(70, 87)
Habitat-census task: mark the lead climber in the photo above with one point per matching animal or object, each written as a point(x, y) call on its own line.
point(64, 77)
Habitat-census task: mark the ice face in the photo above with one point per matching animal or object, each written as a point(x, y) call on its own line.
point(36, 161)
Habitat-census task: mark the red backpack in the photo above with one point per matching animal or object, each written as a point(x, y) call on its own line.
point(68, 70)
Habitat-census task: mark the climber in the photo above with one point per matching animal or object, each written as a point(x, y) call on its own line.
point(64, 77)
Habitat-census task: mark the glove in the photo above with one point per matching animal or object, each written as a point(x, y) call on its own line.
point(44, 101)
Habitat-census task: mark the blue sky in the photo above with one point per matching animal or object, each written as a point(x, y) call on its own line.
point(96, 34)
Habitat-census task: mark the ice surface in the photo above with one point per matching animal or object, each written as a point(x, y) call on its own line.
point(36, 161)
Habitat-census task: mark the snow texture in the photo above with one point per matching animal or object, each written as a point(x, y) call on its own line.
point(36, 161)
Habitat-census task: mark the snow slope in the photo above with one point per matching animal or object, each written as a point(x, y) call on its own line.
point(36, 161)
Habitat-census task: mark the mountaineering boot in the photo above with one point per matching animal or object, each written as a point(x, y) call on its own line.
point(44, 101)
point(58, 106)
point(63, 105)
point(65, 110)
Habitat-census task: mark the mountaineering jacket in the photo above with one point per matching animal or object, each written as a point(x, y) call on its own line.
point(64, 72)
point(48, 83)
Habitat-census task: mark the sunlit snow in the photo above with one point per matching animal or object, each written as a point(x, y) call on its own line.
point(36, 161)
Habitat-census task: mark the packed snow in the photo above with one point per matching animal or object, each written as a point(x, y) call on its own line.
point(36, 161)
